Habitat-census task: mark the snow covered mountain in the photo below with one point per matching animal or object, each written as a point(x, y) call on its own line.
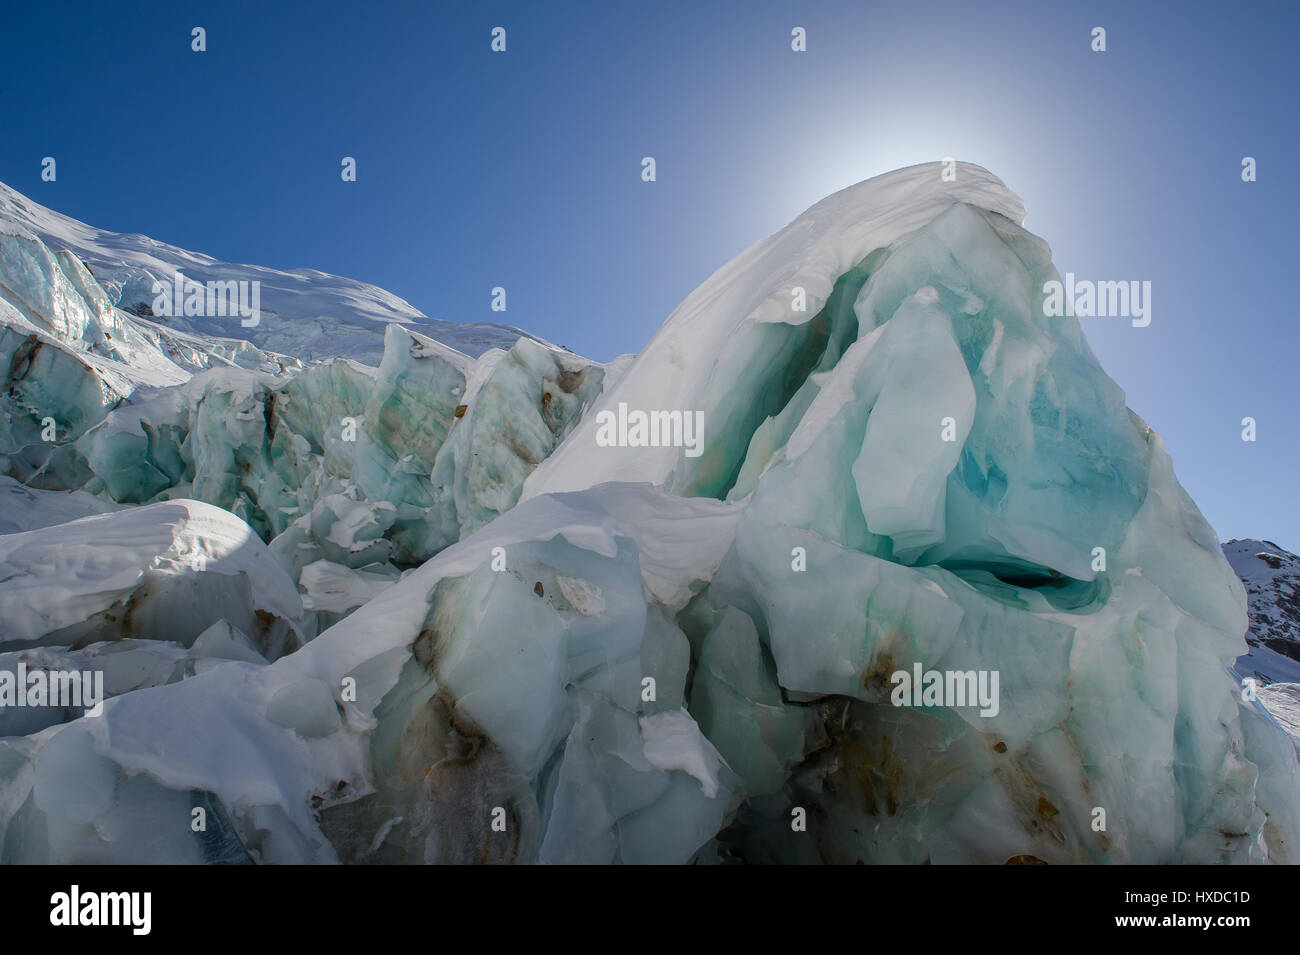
point(307, 314)
point(1272, 579)
point(862, 559)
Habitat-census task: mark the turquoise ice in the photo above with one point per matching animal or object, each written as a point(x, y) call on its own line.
point(631, 654)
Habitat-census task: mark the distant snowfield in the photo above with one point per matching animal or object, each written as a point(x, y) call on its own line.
point(308, 314)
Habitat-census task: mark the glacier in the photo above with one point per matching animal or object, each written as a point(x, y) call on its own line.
point(437, 621)
point(305, 313)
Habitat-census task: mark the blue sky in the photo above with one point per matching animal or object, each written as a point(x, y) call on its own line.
point(522, 170)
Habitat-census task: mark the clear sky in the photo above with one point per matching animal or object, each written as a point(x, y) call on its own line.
point(522, 169)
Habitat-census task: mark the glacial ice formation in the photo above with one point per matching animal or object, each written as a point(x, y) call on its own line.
point(304, 313)
point(371, 469)
point(536, 649)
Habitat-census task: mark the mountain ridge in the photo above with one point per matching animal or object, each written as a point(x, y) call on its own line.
point(1271, 576)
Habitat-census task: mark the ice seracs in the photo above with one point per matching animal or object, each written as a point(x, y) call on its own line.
point(636, 654)
point(302, 312)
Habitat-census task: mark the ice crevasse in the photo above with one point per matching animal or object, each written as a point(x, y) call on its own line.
point(660, 657)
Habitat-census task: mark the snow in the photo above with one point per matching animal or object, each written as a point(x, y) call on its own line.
point(1282, 700)
point(674, 741)
point(583, 595)
point(629, 650)
point(335, 588)
point(306, 313)
point(57, 577)
point(1271, 576)
point(24, 509)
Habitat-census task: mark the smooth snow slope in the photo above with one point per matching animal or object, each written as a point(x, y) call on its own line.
point(305, 313)
point(166, 566)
